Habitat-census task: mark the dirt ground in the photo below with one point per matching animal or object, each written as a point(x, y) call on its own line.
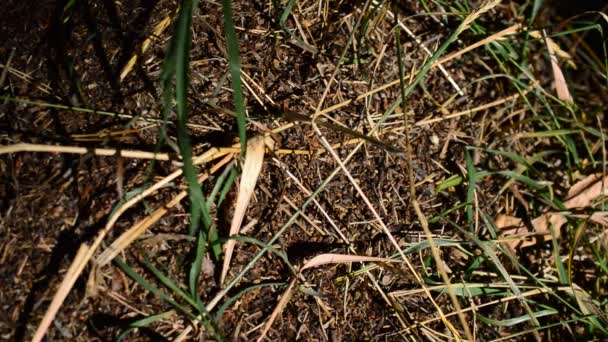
point(51, 203)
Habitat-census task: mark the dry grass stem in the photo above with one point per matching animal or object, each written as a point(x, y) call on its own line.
point(158, 31)
point(25, 147)
point(74, 271)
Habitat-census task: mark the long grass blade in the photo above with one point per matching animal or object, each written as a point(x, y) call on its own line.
point(232, 45)
point(177, 64)
point(150, 287)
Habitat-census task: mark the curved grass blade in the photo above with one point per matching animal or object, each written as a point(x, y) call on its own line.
point(521, 178)
point(512, 337)
point(475, 290)
point(452, 181)
point(559, 264)
point(259, 243)
point(489, 249)
point(444, 214)
point(140, 323)
point(231, 300)
point(194, 302)
point(177, 63)
point(536, 6)
point(414, 248)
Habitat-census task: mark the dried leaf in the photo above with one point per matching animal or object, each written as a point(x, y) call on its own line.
point(92, 288)
point(251, 170)
point(583, 184)
point(580, 196)
point(207, 267)
point(560, 82)
point(556, 48)
point(586, 194)
point(324, 259)
point(585, 303)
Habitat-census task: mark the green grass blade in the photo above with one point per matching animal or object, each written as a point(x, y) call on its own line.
point(227, 186)
point(512, 337)
point(177, 63)
point(127, 196)
point(140, 323)
point(150, 319)
point(413, 248)
point(490, 250)
point(219, 183)
point(235, 71)
point(516, 320)
point(195, 268)
point(454, 180)
point(445, 213)
point(475, 290)
point(524, 179)
point(285, 14)
point(222, 186)
point(259, 243)
point(425, 244)
point(194, 301)
point(559, 264)
point(465, 25)
point(535, 8)
point(549, 133)
point(169, 283)
point(601, 259)
point(513, 156)
point(231, 300)
point(474, 265)
point(471, 190)
point(489, 222)
point(150, 287)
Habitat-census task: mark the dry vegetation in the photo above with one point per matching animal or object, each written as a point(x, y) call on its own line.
point(313, 170)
